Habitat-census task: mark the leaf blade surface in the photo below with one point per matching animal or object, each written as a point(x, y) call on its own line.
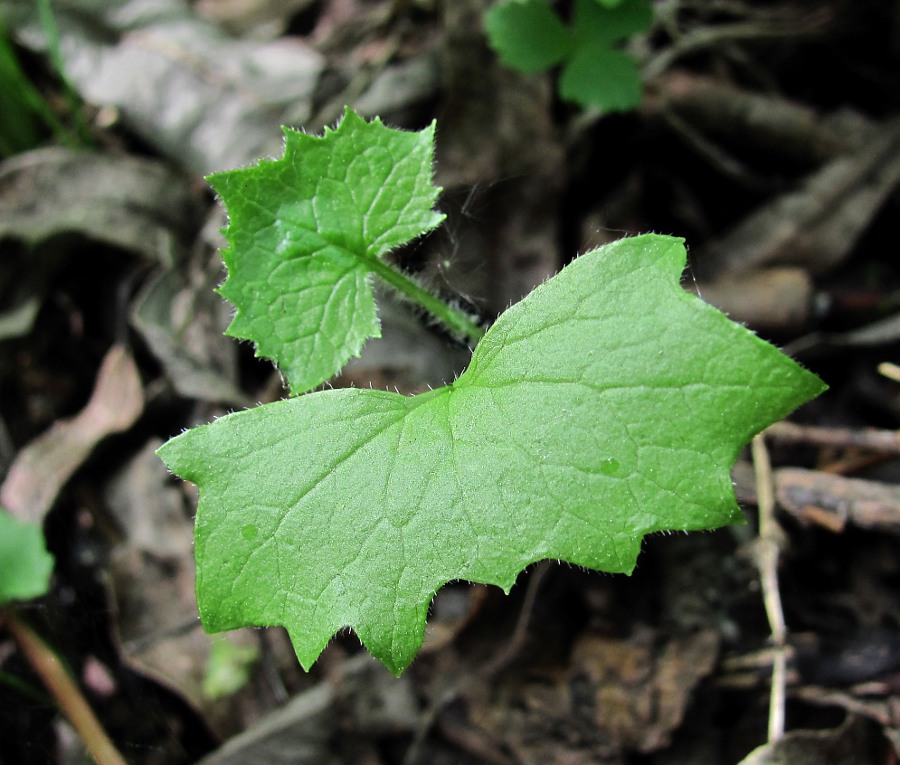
point(528, 36)
point(307, 231)
point(606, 405)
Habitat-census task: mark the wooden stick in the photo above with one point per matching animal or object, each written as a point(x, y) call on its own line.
point(63, 688)
point(767, 562)
point(883, 441)
point(833, 501)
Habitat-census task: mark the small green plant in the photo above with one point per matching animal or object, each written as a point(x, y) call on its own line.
point(25, 564)
point(25, 571)
point(343, 201)
point(227, 668)
point(25, 115)
point(529, 35)
point(606, 405)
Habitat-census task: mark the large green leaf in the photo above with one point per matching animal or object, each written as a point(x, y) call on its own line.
point(307, 231)
point(607, 404)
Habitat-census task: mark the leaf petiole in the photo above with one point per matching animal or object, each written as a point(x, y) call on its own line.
point(455, 320)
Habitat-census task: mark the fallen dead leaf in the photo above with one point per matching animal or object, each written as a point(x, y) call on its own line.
point(44, 466)
point(616, 696)
point(139, 205)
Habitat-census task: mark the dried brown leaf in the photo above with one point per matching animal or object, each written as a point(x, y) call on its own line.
point(44, 466)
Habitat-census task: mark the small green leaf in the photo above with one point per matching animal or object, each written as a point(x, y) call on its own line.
point(606, 405)
point(307, 231)
point(596, 26)
point(227, 668)
point(528, 35)
point(597, 74)
point(603, 77)
point(25, 564)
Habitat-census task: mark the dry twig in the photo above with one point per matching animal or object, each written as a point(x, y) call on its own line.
point(67, 694)
point(882, 441)
point(833, 501)
point(767, 562)
point(496, 664)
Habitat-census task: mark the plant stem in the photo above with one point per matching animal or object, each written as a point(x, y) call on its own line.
point(456, 321)
point(24, 101)
point(51, 31)
point(63, 688)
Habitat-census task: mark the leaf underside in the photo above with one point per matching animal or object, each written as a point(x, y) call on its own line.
point(606, 405)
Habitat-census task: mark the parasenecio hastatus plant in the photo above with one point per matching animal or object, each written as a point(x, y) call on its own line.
point(606, 405)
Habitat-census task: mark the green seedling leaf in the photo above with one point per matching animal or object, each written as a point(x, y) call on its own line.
point(227, 668)
point(597, 26)
point(597, 74)
point(601, 77)
point(307, 231)
point(606, 405)
point(25, 564)
point(528, 36)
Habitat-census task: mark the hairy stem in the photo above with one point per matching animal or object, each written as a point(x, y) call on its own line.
point(456, 321)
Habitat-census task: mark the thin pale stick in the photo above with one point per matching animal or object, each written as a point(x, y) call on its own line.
point(63, 688)
point(767, 561)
